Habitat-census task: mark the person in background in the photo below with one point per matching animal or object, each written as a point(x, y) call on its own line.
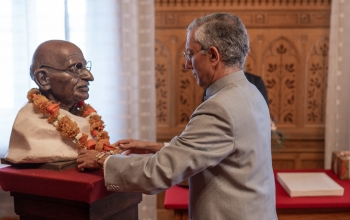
point(225, 149)
point(259, 83)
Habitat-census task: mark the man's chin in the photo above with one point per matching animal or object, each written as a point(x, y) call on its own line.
point(81, 96)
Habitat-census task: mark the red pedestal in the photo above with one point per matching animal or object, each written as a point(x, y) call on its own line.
point(69, 194)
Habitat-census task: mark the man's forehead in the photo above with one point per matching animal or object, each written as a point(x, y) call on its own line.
point(62, 60)
point(57, 53)
point(65, 56)
point(190, 42)
point(75, 56)
point(68, 51)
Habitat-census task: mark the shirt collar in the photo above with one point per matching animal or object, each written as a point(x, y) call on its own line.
point(222, 82)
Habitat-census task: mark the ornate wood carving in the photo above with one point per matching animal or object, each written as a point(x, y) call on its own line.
point(216, 3)
point(162, 70)
point(317, 67)
point(255, 18)
point(280, 66)
point(186, 84)
point(250, 62)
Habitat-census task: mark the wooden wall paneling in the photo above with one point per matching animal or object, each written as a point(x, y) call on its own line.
point(180, 93)
point(299, 155)
point(163, 73)
point(316, 82)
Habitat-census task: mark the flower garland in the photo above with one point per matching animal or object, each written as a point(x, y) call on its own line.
point(69, 128)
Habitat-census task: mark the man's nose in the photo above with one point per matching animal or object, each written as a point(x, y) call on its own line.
point(188, 64)
point(87, 75)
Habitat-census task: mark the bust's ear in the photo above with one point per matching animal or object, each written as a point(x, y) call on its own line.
point(41, 78)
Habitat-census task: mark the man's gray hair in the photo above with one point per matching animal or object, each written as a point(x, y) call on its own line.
point(226, 32)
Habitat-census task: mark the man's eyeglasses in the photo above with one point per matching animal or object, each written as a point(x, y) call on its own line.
point(189, 55)
point(75, 70)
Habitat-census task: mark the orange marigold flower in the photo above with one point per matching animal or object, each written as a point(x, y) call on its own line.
point(94, 133)
point(101, 143)
point(32, 93)
point(95, 122)
point(52, 108)
point(103, 135)
point(88, 112)
point(106, 148)
point(99, 146)
point(41, 103)
point(90, 144)
point(67, 127)
point(83, 140)
point(104, 141)
point(83, 108)
point(53, 117)
point(95, 126)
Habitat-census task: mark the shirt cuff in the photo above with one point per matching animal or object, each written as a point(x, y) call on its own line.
point(104, 165)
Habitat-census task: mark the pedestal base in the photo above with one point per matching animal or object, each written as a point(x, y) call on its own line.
point(117, 206)
point(65, 195)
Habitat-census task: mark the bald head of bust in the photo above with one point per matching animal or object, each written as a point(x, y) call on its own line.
point(61, 72)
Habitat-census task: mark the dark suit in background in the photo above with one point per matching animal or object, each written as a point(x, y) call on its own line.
point(259, 83)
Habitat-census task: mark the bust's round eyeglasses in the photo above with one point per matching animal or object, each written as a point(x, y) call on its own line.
point(75, 70)
point(189, 55)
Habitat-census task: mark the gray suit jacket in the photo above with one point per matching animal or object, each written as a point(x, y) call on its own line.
point(225, 151)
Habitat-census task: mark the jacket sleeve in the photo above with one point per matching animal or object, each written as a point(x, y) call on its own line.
point(206, 140)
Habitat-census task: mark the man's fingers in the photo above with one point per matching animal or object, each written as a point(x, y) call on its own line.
point(126, 152)
point(124, 141)
point(125, 146)
point(80, 160)
point(81, 165)
point(82, 152)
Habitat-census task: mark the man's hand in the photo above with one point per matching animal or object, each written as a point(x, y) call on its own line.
point(131, 146)
point(87, 160)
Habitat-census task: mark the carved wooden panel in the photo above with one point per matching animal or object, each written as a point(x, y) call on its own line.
point(280, 60)
point(162, 71)
point(250, 64)
point(317, 67)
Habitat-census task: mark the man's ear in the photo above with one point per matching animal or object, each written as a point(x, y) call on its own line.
point(41, 78)
point(214, 55)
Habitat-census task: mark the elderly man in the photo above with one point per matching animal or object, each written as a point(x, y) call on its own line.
point(62, 75)
point(225, 149)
